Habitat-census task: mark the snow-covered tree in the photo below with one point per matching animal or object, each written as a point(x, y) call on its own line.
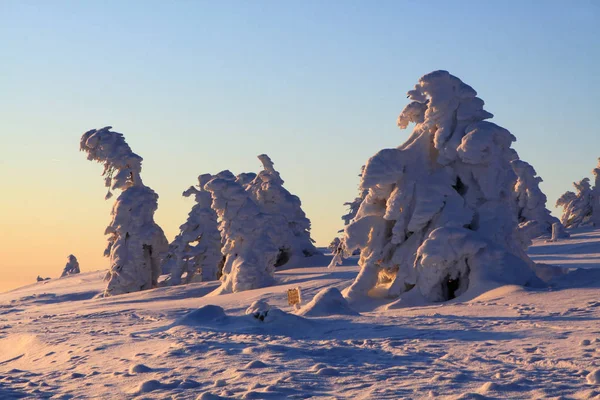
point(582, 208)
point(440, 215)
point(293, 236)
point(577, 207)
point(72, 266)
point(335, 245)
point(197, 247)
point(354, 205)
point(248, 247)
point(135, 241)
point(534, 218)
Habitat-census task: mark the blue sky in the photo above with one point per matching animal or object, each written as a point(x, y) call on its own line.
point(199, 87)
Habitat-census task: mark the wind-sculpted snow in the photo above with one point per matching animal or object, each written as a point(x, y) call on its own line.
point(582, 209)
point(292, 237)
point(56, 341)
point(72, 266)
point(135, 241)
point(327, 302)
point(248, 247)
point(197, 247)
point(453, 172)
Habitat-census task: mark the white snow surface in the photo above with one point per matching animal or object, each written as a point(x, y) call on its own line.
point(58, 341)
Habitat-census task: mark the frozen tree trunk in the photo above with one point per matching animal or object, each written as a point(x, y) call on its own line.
point(439, 216)
point(135, 241)
point(197, 247)
point(72, 266)
point(558, 232)
point(293, 236)
point(249, 249)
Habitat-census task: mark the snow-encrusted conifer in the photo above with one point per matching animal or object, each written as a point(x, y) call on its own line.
point(72, 266)
point(440, 214)
point(293, 236)
point(354, 205)
point(577, 207)
point(197, 247)
point(335, 245)
point(135, 241)
point(248, 247)
point(533, 216)
point(582, 209)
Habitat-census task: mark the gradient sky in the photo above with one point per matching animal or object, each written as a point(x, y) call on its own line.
point(199, 87)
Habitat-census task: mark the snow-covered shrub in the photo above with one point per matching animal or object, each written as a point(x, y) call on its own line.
point(582, 208)
point(248, 247)
point(440, 213)
point(293, 236)
point(197, 247)
point(72, 266)
point(135, 241)
point(533, 216)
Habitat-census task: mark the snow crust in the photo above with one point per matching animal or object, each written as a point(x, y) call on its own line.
point(451, 180)
point(57, 340)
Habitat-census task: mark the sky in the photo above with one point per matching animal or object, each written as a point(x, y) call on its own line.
point(201, 86)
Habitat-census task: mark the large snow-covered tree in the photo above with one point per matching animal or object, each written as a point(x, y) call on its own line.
point(534, 218)
point(135, 241)
point(293, 236)
point(440, 215)
point(248, 247)
point(197, 247)
point(582, 208)
point(72, 266)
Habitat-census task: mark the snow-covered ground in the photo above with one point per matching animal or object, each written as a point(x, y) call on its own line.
point(57, 341)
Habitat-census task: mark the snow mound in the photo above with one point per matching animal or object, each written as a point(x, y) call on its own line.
point(328, 301)
point(139, 369)
point(204, 315)
point(255, 364)
point(593, 377)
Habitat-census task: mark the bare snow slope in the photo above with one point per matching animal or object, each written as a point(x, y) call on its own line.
point(56, 341)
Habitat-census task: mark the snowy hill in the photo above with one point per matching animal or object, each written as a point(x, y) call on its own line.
point(58, 341)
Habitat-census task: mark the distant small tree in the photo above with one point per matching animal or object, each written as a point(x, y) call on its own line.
point(135, 241)
point(197, 247)
point(72, 266)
